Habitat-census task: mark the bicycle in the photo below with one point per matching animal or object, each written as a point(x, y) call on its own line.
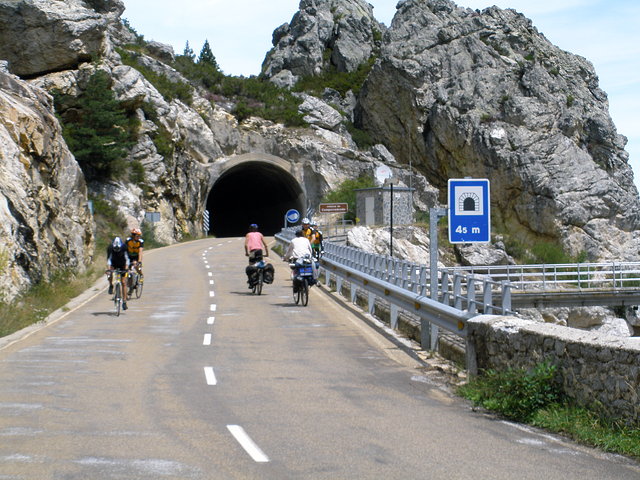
point(302, 280)
point(117, 288)
point(135, 282)
point(259, 282)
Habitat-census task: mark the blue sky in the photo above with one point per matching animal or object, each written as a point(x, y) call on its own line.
point(606, 32)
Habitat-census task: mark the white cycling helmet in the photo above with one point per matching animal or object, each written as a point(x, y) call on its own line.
point(305, 220)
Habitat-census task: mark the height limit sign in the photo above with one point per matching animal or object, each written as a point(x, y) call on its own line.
point(469, 211)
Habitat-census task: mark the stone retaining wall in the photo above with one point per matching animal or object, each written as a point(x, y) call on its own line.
point(599, 372)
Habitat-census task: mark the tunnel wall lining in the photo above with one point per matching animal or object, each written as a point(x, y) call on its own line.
point(233, 162)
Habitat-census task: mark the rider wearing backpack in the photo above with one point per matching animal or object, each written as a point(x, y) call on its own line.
point(316, 243)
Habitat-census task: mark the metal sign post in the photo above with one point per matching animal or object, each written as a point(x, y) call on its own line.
point(429, 333)
point(390, 182)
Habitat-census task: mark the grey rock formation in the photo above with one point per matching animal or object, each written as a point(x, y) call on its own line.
point(320, 113)
point(460, 93)
point(37, 38)
point(338, 33)
point(45, 224)
point(455, 93)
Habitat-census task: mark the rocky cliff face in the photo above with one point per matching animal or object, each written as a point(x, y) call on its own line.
point(45, 225)
point(454, 92)
point(39, 37)
point(323, 34)
point(483, 94)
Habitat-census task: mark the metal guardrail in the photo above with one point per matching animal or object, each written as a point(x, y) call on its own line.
point(463, 292)
point(399, 283)
point(576, 276)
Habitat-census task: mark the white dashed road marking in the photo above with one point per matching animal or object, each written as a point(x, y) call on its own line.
point(207, 339)
point(210, 376)
point(249, 445)
point(214, 307)
point(210, 320)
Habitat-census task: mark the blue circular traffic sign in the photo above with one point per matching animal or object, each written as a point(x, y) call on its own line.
point(293, 216)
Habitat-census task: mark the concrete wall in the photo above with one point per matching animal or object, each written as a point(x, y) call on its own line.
point(598, 371)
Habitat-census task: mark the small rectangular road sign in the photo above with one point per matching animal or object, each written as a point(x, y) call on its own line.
point(334, 207)
point(469, 211)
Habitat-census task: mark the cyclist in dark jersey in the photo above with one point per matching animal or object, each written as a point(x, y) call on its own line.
point(117, 257)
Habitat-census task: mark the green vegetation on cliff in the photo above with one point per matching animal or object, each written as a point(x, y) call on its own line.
point(97, 129)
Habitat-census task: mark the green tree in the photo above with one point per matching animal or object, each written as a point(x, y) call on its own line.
point(206, 55)
point(98, 134)
point(346, 193)
point(188, 52)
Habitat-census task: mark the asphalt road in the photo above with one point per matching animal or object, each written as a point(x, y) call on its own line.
point(200, 379)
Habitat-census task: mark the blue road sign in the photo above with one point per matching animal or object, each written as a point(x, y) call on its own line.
point(469, 211)
point(292, 216)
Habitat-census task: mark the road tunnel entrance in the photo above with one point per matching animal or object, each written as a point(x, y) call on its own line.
point(252, 192)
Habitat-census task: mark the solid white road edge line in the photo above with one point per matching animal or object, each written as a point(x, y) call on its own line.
point(210, 376)
point(249, 445)
point(207, 339)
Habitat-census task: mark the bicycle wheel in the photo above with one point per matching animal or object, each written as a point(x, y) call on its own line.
point(131, 283)
point(296, 294)
point(117, 297)
point(139, 285)
point(260, 282)
point(304, 292)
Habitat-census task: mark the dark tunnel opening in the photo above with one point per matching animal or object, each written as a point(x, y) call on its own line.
point(252, 192)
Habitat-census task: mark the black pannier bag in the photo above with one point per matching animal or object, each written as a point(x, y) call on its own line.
point(269, 273)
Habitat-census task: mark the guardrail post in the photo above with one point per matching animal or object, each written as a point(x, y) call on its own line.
point(506, 297)
point(457, 291)
point(487, 298)
point(444, 283)
point(393, 316)
point(471, 295)
point(371, 304)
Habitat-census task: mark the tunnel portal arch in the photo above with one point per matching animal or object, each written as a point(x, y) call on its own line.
point(253, 189)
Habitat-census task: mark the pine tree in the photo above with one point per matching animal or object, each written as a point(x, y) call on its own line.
point(188, 51)
point(206, 55)
point(99, 137)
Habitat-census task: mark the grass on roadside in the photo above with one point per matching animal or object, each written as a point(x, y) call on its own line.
point(35, 304)
point(533, 397)
point(42, 299)
point(588, 428)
